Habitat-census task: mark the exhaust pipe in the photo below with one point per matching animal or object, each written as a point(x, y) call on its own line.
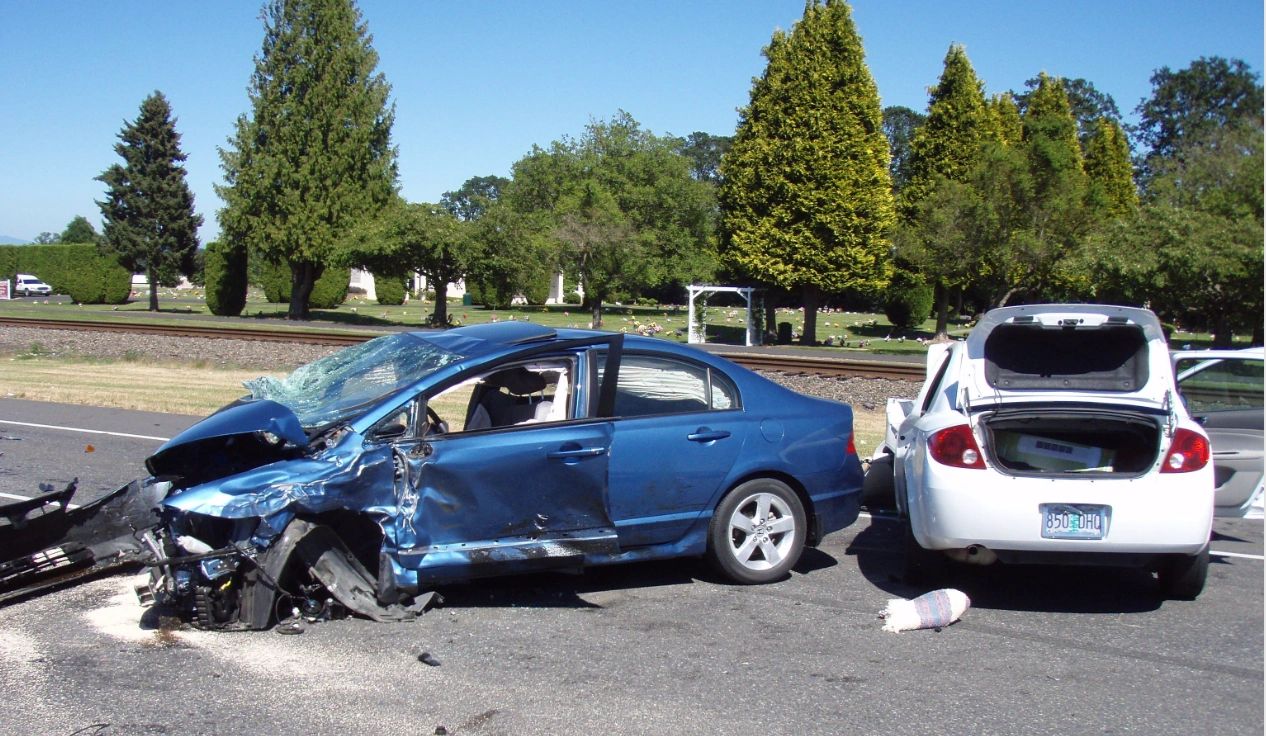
point(976, 554)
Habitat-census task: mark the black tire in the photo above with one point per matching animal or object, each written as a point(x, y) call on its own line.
point(920, 565)
point(757, 532)
point(1182, 577)
point(879, 487)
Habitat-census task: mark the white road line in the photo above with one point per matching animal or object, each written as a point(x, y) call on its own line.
point(16, 497)
point(1216, 553)
point(89, 431)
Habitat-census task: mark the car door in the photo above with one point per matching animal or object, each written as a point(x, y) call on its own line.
point(477, 501)
point(678, 429)
point(1223, 391)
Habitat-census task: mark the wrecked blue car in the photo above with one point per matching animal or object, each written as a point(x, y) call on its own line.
point(370, 477)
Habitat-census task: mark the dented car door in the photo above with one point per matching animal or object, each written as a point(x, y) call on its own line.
point(522, 497)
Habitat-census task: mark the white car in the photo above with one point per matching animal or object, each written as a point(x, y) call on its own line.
point(1222, 389)
point(1053, 435)
point(27, 285)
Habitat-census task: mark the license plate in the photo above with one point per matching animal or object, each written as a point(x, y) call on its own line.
point(1074, 521)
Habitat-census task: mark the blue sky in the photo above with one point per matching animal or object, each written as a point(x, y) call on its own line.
point(477, 83)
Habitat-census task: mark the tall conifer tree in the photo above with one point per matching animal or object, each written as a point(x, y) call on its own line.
point(936, 238)
point(948, 143)
point(1109, 171)
point(1008, 128)
point(314, 156)
point(806, 200)
point(147, 215)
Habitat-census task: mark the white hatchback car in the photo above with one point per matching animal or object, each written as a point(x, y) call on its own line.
point(1053, 435)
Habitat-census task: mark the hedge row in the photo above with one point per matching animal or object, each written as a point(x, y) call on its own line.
point(77, 269)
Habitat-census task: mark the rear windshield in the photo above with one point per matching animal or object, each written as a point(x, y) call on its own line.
point(1036, 357)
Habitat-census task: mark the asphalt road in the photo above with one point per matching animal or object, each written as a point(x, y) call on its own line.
point(640, 649)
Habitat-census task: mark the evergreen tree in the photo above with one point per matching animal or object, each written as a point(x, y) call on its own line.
point(224, 269)
point(1086, 103)
point(807, 198)
point(936, 237)
point(314, 156)
point(1043, 267)
point(1109, 172)
point(147, 215)
point(948, 144)
point(1004, 114)
point(79, 230)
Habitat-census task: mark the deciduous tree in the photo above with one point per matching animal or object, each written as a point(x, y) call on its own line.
point(807, 198)
point(314, 156)
point(147, 214)
point(409, 237)
point(900, 124)
point(619, 208)
point(1190, 104)
point(79, 230)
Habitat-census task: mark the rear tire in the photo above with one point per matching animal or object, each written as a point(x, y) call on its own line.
point(879, 487)
point(1182, 577)
point(757, 532)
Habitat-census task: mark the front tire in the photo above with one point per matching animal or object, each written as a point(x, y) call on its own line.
point(1183, 576)
point(757, 532)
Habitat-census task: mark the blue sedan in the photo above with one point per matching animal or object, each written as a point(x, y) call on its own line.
point(416, 459)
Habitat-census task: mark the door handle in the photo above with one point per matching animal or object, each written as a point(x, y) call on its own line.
point(703, 434)
point(577, 452)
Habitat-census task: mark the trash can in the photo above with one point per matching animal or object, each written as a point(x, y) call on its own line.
point(784, 333)
point(467, 300)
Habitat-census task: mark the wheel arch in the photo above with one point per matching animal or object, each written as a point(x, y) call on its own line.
point(813, 533)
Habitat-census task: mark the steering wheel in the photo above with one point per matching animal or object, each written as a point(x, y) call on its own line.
point(435, 425)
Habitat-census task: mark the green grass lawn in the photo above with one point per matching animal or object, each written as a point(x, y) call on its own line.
point(838, 332)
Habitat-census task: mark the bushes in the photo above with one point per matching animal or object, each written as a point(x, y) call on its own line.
point(909, 301)
point(329, 291)
point(224, 267)
point(389, 289)
point(78, 270)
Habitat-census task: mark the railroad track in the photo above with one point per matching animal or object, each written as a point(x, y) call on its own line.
point(264, 334)
point(793, 364)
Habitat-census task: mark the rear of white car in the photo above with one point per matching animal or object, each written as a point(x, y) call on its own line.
point(1053, 435)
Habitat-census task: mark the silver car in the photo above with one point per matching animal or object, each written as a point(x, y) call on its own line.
point(1223, 391)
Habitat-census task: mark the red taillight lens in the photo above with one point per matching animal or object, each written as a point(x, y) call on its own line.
point(956, 447)
point(1189, 451)
point(850, 449)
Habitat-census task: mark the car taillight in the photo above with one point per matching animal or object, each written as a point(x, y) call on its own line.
point(1188, 452)
point(850, 449)
point(956, 447)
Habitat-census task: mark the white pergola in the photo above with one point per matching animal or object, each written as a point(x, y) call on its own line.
point(696, 333)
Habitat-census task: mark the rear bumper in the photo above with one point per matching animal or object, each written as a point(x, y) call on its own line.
point(1154, 514)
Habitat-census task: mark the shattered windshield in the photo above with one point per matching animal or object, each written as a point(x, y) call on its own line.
point(337, 386)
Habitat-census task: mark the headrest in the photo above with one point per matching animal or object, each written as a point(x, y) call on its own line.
point(519, 381)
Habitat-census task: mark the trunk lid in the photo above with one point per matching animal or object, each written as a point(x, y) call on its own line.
point(1068, 353)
